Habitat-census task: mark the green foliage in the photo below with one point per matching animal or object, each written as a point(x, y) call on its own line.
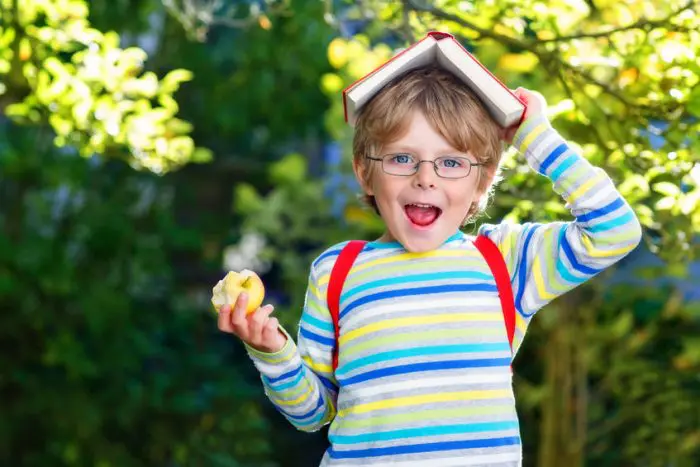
point(108, 361)
point(95, 95)
point(112, 357)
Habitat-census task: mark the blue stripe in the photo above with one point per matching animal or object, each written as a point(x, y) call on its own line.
point(288, 384)
point(419, 291)
point(419, 351)
point(523, 269)
point(552, 157)
point(561, 267)
point(322, 325)
point(425, 447)
point(307, 414)
point(424, 431)
point(568, 162)
point(312, 421)
point(589, 216)
point(417, 278)
point(612, 223)
point(328, 254)
point(427, 366)
point(572, 258)
point(328, 383)
point(316, 338)
point(283, 376)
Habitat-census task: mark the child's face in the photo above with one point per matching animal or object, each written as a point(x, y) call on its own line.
point(422, 210)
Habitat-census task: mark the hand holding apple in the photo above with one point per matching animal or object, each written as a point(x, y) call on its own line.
point(227, 290)
point(237, 299)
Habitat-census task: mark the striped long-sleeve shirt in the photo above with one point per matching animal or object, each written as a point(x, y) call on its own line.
point(424, 373)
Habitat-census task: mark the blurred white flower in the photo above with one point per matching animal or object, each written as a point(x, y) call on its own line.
point(247, 254)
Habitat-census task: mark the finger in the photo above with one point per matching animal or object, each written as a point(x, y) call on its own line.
point(270, 332)
point(239, 324)
point(258, 320)
point(225, 319)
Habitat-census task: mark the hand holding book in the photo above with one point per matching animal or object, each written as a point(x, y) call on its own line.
point(535, 104)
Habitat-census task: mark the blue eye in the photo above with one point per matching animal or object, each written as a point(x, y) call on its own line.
point(401, 159)
point(451, 163)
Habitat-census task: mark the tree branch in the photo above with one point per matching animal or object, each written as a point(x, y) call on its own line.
point(644, 23)
point(438, 13)
point(533, 46)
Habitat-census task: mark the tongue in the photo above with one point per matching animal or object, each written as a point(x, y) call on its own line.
point(420, 215)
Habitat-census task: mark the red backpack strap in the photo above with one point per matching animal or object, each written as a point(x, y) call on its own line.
point(340, 270)
point(494, 259)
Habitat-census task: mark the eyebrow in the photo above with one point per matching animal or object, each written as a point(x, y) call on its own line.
point(445, 152)
point(389, 149)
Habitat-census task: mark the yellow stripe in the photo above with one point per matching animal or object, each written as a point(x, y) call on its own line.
point(317, 367)
point(538, 273)
point(423, 415)
point(286, 357)
point(296, 401)
point(520, 323)
point(505, 246)
point(301, 388)
point(594, 252)
point(425, 399)
point(413, 321)
point(402, 257)
point(315, 293)
point(330, 410)
point(539, 280)
point(585, 187)
point(537, 131)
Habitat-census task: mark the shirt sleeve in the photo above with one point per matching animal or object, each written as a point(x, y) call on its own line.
point(298, 379)
point(547, 260)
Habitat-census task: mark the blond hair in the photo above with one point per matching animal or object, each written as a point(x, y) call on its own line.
point(449, 106)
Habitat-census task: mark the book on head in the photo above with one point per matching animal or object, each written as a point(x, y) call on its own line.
point(443, 50)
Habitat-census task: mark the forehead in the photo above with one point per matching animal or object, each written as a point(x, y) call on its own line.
point(420, 136)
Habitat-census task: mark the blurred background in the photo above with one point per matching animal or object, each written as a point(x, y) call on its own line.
point(149, 146)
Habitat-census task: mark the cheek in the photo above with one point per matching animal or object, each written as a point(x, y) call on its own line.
point(462, 194)
point(385, 190)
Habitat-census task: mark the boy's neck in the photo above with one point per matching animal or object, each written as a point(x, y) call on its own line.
point(387, 238)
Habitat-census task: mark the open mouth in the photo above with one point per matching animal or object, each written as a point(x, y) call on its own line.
point(422, 215)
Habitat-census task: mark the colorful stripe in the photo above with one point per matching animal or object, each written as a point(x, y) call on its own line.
point(424, 372)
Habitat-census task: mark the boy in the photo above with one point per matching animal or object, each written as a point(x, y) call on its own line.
point(423, 376)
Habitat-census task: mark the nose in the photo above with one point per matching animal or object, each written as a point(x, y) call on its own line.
point(425, 177)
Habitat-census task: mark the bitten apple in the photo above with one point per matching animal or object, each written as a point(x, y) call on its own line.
point(227, 290)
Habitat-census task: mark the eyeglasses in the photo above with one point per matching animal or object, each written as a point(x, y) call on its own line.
point(445, 167)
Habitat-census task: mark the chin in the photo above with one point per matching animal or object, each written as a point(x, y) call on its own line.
point(417, 239)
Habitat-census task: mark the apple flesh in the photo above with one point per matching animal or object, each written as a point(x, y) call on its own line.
point(227, 290)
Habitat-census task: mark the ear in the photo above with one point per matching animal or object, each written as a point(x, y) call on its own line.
point(360, 176)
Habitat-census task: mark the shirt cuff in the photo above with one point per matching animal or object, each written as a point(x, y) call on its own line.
point(281, 357)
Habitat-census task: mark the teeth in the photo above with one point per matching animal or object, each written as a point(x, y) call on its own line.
point(422, 205)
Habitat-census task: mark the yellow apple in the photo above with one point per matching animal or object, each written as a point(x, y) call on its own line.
point(227, 290)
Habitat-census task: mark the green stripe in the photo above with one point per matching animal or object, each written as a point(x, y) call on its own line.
point(550, 278)
point(417, 337)
point(382, 270)
point(406, 417)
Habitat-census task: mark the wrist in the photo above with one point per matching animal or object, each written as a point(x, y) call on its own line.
point(274, 347)
point(272, 351)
